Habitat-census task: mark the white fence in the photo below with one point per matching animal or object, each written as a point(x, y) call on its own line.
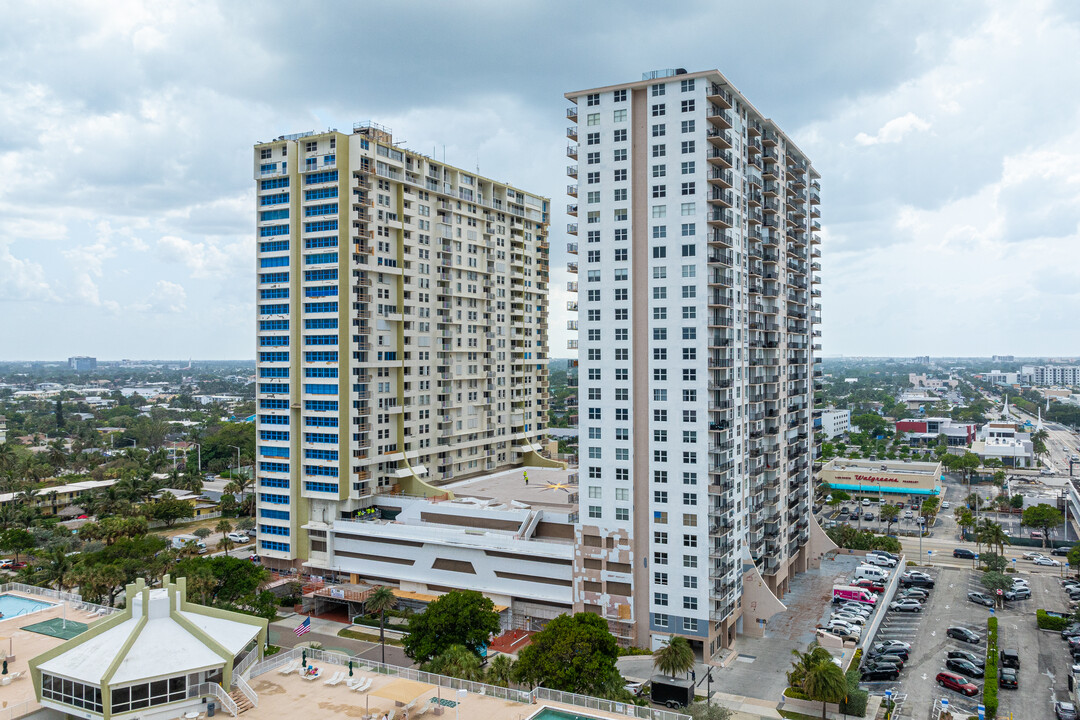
point(493, 691)
point(246, 689)
point(72, 598)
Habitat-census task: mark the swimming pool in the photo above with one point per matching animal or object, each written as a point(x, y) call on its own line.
point(15, 605)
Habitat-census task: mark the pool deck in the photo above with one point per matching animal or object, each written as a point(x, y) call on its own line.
point(290, 696)
point(27, 645)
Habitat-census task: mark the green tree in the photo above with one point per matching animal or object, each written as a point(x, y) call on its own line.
point(708, 711)
point(17, 540)
point(1074, 557)
point(56, 570)
point(456, 661)
point(802, 663)
point(1042, 516)
point(1017, 502)
point(168, 509)
point(202, 533)
point(224, 527)
point(826, 683)
point(59, 414)
point(994, 581)
point(460, 617)
point(870, 424)
point(381, 600)
point(991, 534)
point(500, 670)
point(674, 658)
point(573, 653)
point(889, 513)
point(993, 562)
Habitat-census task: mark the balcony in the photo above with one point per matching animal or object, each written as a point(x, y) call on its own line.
point(571, 306)
point(571, 190)
point(571, 248)
point(571, 286)
point(721, 177)
point(571, 170)
point(571, 132)
point(721, 218)
point(571, 113)
point(571, 151)
point(719, 117)
point(719, 138)
point(719, 96)
point(571, 268)
point(571, 228)
point(571, 209)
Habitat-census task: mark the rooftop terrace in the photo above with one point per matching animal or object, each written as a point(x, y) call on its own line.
point(547, 488)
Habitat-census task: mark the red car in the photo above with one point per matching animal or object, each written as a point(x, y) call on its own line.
point(9, 565)
point(870, 585)
point(956, 683)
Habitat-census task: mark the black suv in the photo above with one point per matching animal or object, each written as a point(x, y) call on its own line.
point(1010, 659)
point(872, 672)
point(964, 553)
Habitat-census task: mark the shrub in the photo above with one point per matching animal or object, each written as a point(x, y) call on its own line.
point(1048, 622)
point(856, 698)
point(990, 700)
point(911, 563)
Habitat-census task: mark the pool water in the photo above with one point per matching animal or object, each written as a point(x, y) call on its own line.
point(14, 605)
point(553, 714)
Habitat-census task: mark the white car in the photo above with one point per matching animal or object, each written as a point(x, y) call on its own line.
point(1051, 562)
point(849, 628)
point(908, 514)
point(848, 618)
point(906, 605)
point(238, 537)
point(945, 505)
point(880, 560)
point(1033, 555)
point(865, 503)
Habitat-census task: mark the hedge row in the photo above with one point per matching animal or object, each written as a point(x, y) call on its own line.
point(1049, 622)
point(990, 682)
point(856, 698)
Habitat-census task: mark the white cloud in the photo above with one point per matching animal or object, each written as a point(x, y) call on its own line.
point(894, 130)
point(22, 280)
point(205, 260)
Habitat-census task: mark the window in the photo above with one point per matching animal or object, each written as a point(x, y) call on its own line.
point(659, 211)
point(659, 251)
point(660, 599)
point(595, 512)
point(659, 496)
point(687, 106)
point(659, 313)
point(593, 196)
point(619, 96)
point(592, 119)
point(659, 110)
point(595, 493)
point(659, 130)
point(689, 541)
point(592, 158)
point(688, 147)
point(659, 151)
point(659, 231)
point(621, 214)
point(658, 89)
point(660, 620)
point(689, 250)
point(688, 126)
point(688, 167)
point(620, 175)
point(620, 195)
point(621, 254)
point(658, 191)
point(689, 498)
point(689, 291)
point(689, 229)
point(592, 178)
point(619, 116)
point(688, 188)
point(622, 494)
point(622, 514)
point(620, 136)
point(660, 558)
point(687, 85)
point(688, 208)
point(620, 155)
point(690, 625)
point(689, 603)
point(592, 99)
point(660, 537)
point(689, 375)
point(592, 138)
point(593, 256)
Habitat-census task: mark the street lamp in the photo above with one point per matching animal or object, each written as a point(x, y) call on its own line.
point(237, 459)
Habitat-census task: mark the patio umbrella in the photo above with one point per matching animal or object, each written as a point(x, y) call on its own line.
point(303, 658)
point(350, 667)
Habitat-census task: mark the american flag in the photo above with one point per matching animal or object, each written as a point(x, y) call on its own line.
point(303, 627)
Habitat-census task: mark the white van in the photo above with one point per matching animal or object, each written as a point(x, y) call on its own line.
point(870, 572)
point(179, 542)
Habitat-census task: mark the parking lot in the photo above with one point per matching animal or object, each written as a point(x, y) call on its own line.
point(1044, 658)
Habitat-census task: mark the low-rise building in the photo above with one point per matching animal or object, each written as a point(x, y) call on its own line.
point(892, 477)
point(1051, 374)
point(1005, 441)
point(928, 381)
point(1001, 378)
point(835, 423)
point(927, 431)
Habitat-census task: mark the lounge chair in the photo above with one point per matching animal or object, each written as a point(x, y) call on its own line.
point(290, 668)
point(363, 685)
point(314, 676)
point(336, 679)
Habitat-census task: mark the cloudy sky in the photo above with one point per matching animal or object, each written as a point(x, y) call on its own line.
point(947, 136)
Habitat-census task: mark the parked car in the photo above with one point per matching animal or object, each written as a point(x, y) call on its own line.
point(909, 514)
point(981, 599)
point(1010, 659)
point(945, 505)
point(1007, 679)
point(840, 633)
point(1061, 551)
point(1049, 562)
point(238, 537)
point(868, 584)
point(895, 644)
point(956, 683)
point(1031, 555)
point(1019, 593)
point(977, 660)
point(906, 605)
point(880, 560)
point(635, 688)
point(964, 667)
point(849, 628)
point(964, 553)
point(915, 578)
point(871, 673)
point(915, 593)
point(869, 517)
point(856, 608)
point(1064, 710)
point(899, 656)
point(1071, 630)
point(865, 503)
point(849, 618)
point(962, 633)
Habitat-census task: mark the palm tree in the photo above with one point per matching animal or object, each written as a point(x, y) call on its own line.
point(57, 570)
point(675, 658)
point(803, 662)
point(224, 527)
point(825, 681)
point(379, 601)
point(500, 670)
point(456, 661)
point(991, 534)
